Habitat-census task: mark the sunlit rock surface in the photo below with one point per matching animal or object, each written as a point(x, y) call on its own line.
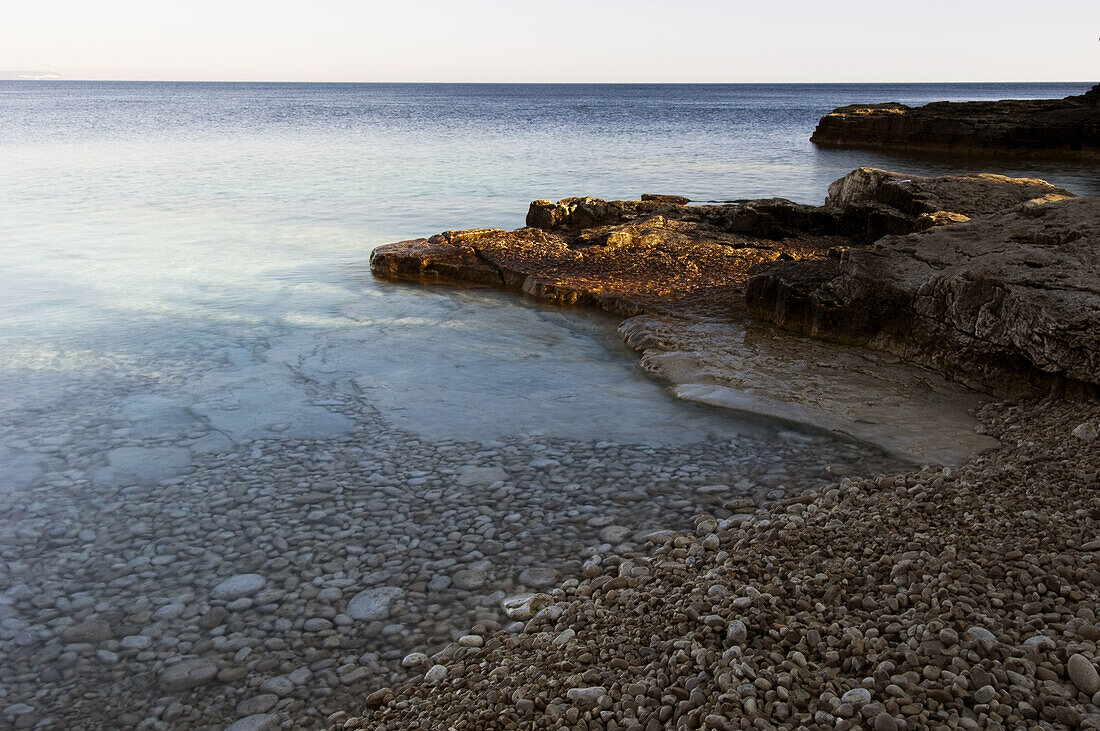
point(680, 271)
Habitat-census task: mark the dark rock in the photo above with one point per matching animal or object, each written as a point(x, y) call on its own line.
point(772, 218)
point(678, 200)
point(1005, 302)
point(579, 213)
point(870, 203)
point(1067, 127)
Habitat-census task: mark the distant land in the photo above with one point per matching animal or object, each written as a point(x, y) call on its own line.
point(6, 75)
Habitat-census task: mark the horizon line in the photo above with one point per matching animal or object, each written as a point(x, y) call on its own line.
point(547, 83)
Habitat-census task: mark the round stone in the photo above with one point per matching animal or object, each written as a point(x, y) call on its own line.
point(188, 674)
point(614, 534)
point(1083, 674)
point(414, 660)
point(238, 587)
point(257, 704)
point(255, 722)
point(985, 694)
point(981, 634)
point(279, 685)
point(374, 604)
point(538, 578)
point(857, 697)
point(469, 579)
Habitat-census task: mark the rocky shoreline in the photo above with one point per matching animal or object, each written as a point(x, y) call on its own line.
point(955, 598)
point(1066, 128)
point(960, 596)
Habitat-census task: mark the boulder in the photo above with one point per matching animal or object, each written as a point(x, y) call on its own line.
point(870, 203)
point(1005, 302)
point(1067, 127)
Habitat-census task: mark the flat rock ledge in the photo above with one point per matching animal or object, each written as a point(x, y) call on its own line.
point(1067, 127)
point(1008, 302)
point(679, 272)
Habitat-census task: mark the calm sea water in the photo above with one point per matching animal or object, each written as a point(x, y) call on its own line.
point(189, 338)
point(148, 200)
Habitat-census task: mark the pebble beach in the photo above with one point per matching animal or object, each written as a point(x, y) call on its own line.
point(938, 598)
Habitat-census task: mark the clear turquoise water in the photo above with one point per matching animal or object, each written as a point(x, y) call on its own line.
point(149, 228)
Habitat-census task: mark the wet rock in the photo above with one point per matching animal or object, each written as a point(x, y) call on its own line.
point(538, 577)
point(374, 604)
point(256, 722)
point(469, 579)
point(257, 704)
point(522, 607)
point(90, 630)
point(187, 674)
point(1003, 302)
point(238, 587)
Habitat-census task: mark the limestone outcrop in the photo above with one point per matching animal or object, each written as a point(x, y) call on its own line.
point(1067, 127)
point(871, 203)
point(645, 262)
point(1008, 302)
point(991, 281)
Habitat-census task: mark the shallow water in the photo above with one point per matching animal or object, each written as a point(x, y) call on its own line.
point(198, 378)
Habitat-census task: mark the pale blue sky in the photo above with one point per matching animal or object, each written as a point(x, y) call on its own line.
point(565, 40)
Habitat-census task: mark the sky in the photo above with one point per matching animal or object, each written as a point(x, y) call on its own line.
point(560, 41)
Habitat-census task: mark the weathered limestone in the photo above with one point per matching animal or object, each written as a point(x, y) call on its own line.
point(1067, 127)
point(683, 269)
point(1008, 302)
point(871, 203)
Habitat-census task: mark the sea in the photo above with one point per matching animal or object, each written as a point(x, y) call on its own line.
point(201, 381)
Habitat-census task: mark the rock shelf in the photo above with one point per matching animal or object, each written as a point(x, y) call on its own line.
point(1068, 128)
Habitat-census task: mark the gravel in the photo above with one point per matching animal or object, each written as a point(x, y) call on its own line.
point(941, 597)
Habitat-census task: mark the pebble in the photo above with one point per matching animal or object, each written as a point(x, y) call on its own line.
point(469, 579)
point(257, 704)
point(471, 641)
point(18, 709)
point(857, 696)
point(538, 578)
point(435, 674)
point(374, 604)
point(257, 722)
point(1086, 432)
point(279, 686)
point(414, 660)
point(188, 674)
point(239, 586)
point(586, 696)
point(1083, 673)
